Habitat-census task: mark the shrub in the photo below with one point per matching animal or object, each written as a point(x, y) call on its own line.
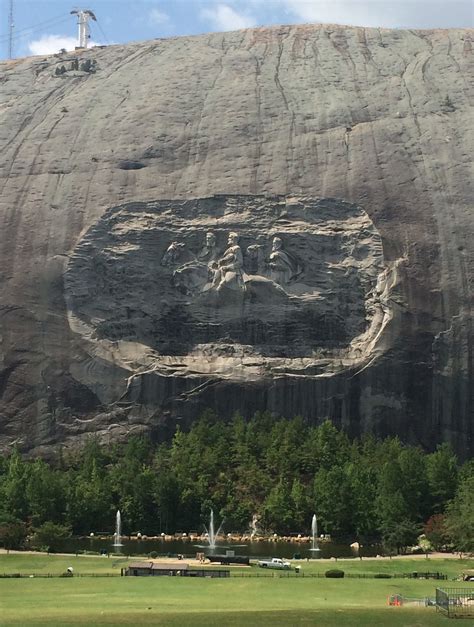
point(153, 554)
point(382, 576)
point(49, 534)
point(12, 533)
point(45, 548)
point(334, 574)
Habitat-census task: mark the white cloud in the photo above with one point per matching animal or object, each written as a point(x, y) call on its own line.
point(158, 17)
point(336, 11)
point(223, 18)
point(51, 44)
point(391, 14)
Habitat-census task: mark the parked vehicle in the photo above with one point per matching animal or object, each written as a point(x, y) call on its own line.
point(275, 562)
point(468, 575)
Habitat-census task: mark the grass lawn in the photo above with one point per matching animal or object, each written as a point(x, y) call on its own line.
point(40, 563)
point(234, 601)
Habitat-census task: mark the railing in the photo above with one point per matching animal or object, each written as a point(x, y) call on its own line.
point(302, 574)
point(261, 573)
point(54, 576)
point(442, 601)
point(417, 575)
point(455, 602)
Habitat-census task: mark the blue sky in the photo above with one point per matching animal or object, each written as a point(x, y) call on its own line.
point(45, 26)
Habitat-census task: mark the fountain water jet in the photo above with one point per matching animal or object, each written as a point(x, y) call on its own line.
point(314, 536)
point(211, 534)
point(118, 530)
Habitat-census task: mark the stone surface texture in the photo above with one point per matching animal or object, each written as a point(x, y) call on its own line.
point(351, 146)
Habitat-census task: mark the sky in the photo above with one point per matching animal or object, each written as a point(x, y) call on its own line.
point(45, 26)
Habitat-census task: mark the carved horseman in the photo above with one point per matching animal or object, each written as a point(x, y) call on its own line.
point(230, 267)
point(194, 275)
point(172, 254)
point(209, 252)
point(282, 266)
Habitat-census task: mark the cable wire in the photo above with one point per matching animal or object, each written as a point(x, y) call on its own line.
point(104, 36)
point(24, 32)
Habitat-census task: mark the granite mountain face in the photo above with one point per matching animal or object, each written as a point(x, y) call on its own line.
point(271, 219)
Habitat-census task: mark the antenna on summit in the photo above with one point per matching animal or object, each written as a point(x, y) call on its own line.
point(10, 30)
point(83, 17)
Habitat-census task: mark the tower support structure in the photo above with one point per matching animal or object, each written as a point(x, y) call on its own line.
point(83, 17)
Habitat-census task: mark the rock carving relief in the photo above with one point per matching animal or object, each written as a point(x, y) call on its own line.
point(210, 270)
point(232, 286)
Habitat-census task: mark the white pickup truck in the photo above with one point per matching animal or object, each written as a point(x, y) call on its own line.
point(275, 562)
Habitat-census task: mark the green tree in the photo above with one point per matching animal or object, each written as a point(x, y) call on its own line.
point(277, 514)
point(363, 487)
point(92, 455)
point(132, 481)
point(396, 524)
point(436, 532)
point(14, 488)
point(414, 483)
point(401, 534)
point(137, 501)
point(460, 515)
point(300, 504)
point(90, 506)
point(442, 473)
point(249, 480)
point(46, 493)
point(13, 532)
point(331, 446)
point(333, 500)
point(283, 457)
point(167, 492)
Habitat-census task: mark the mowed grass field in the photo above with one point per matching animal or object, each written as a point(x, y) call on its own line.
point(234, 601)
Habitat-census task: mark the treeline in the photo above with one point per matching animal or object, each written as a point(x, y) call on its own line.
point(280, 470)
